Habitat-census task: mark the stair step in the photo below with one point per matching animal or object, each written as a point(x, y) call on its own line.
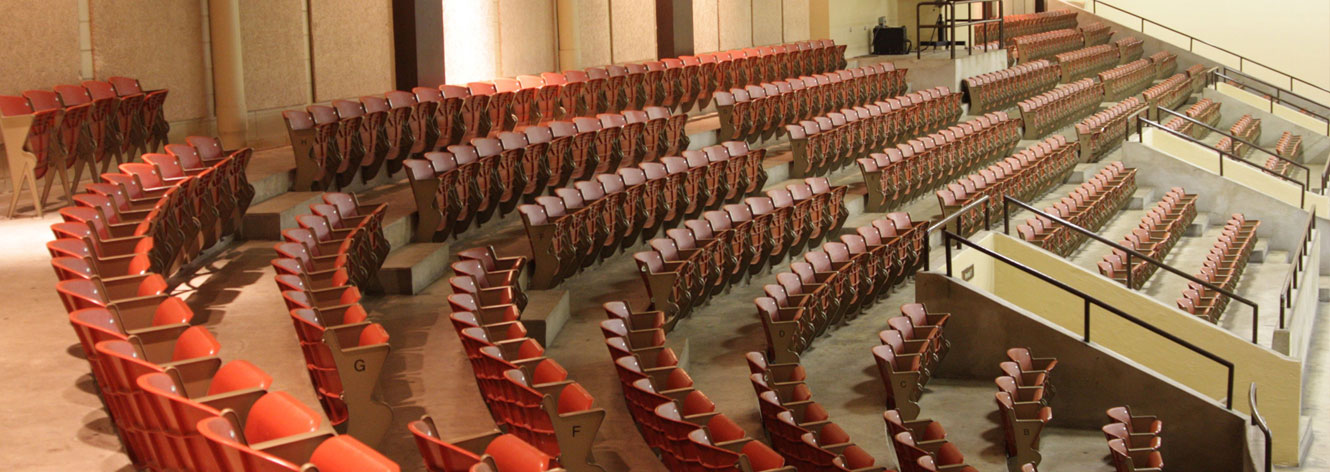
point(1143, 196)
point(1323, 289)
point(1082, 173)
point(266, 220)
point(545, 314)
point(412, 267)
point(1198, 225)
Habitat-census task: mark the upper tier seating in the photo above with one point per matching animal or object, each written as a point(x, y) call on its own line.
point(1289, 145)
point(1166, 63)
point(1102, 132)
point(1050, 111)
point(1025, 175)
point(1205, 111)
point(1042, 45)
point(1025, 24)
point(1222, 267)
point(1170, 94)
point(1246, 128)
point(1127, 80)
point(828, 142)
point(1130, 49)
point(759, 111)
point(901, 173)
point(1002, 89)
point(1159, 230)
point(1086, 62)
point(1096, 33)
point(1089, 206)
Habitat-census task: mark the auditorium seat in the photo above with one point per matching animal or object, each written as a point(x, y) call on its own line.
point(279, 433)
point(1100, 133)
point(31, 161)
point(501, 452)
point(1022, 423)
point(176, 411)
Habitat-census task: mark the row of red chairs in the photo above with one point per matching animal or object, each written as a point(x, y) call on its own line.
point(832, 284)
point(528, 395)
point(829, 142)
point(901, 173)
point(708, 255)
point(1024, 391)
point(469, 184)
point(799, 428)
point(1155, 236)
point(1223, 266)
point(1023, 176)
point(494, 451)
point(910, 351)
point(78, 127)
point(1166, 63)
point(925, 441)
point(1051, 110)
point(1087, 62)
point(1206, 111)
point(340, 238)
point(597, 218)
point(1044, 45)
point(1246, 128)
point(1025, 24)
point(1130, 49)
point(1089, 206)
point(1133, 441)
point(1000, 90)
point(1289, 145)
point(1127, 80)
point(759, 111)
point(1096, 33)
point(1102, 132)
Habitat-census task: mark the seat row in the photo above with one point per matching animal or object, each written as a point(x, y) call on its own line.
point(597, 218)
point(759, 111)
point(1223, 267)
point(339, 237)
point(910, 351)
point(1044, 45)
point(1025, 24)
point(1289, 145)
point(1024, 391)
point(832, 284)
point(1051, 110)
point(1023, 176)
point(529, 395)
point(78, 127)
point(1096, 33)
point(1171, 93)
point(1246, 128)
point(908, 170)
point(829, 142)
point(1159, 230)
point(1130, 49)
point(1205, 111)
point(1127, 80)
point(1102, 132)
point(1086, 62)
point(708, 255)
point(1198, 76)
point(1001, 89)
point(1166, 63)
point(1088, 206)
point(799, 428)
point(1133, 441)
point(469, 184)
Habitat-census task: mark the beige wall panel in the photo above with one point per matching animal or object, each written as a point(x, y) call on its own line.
point(634, 30)
point(161, 46)
point(353, 47)
point(736, 23)
point(275, 52)
point(470, 40)
point(767, 22)
point(593, 39)
point(41, 40)
point(527, 35)
point(794, 19)
point(705, 36)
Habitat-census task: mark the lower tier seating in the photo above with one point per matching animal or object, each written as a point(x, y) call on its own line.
point(909, 352)
point(1166, 63)
point(799, 428)
point(1205, 111)
point(1022, 400)
point(1133, 441)
point(1102, 132)
point(1025, 175)
point(1289, 146)
point(1222, 267)
point(1130, 49)
point(1158, 231)
point(487, 452)
point(1246, 128)
point(1127, 80)
point(1089, 206)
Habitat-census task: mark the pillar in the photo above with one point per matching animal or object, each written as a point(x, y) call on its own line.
point(228, 72)
point(674, 28)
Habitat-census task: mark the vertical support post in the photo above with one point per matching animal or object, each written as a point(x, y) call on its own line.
point(228, 72)
point(418, 43)
point(947, 243)
point(674, 28)
point(1129, 271)
point(1086, 337)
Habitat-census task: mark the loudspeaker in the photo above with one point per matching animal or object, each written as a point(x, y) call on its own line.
point(889, 40)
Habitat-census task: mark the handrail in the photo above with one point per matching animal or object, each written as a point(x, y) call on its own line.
point(1131, 253)
point(1192, 40)
point(951, 21)
point(1307, 180)
point(1291, 280)
point(1302, 204)
point(942, 223)
point(949, 236)
point(1259, 421)
point(1277, 96)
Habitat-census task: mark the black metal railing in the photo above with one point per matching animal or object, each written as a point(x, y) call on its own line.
point(1259, 422)
point(1291, 280)
point(1273, 93)
point(949, 237)
point(949, 23)
point(1307, 172)
point(1142, 122)
point(942, 223)
point(1132, 255)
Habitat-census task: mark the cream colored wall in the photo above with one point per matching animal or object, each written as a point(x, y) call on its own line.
point(162, 46)
point(275, 47)
point(706, 31)
point(633, 30)
point(526, 36)
point(353, 47)
point(734, 24)
point(41, 39)
point(795, 16)
point(1294, 116)
point(1278, 377)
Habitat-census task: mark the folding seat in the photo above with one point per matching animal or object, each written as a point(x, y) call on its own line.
point(1022, 423)
point(279, 433)
point(31, 160)
point(73, 138)
point(924, 433)
point(311, 147)
point(904, 380)
point(561, 421)
point(496, 450)
point(397, 137)
point(176, 410)
point(1134, 442)
point(1127, 460)
point(131, 134)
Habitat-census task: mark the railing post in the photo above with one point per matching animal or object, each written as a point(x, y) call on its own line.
point(928, 247)
point(1221, 163)
point(987, 214)
point(1129, 285)
point(1087, 320)
point(1255, 322)
point(1006, 218)
point(1228, 402)
point(946, 241)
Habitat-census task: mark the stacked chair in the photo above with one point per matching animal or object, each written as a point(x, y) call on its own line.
point(834, 140)
point(1043, 45)
point(1133, 440)
point(1102, 132)
point(1086, 62)
point(1246, 128)
point(1022, 400)
point(799, 428)
point(1205, 111)
point(909, 353)
point(339, 235)
point(1127, 80)
point(1001, 89)
point(834, 283)
point(1159, 230)
point(901, 173)
point(1166, 63)
point(1026, 24)
point(1222, 267)
point(1096, 33)
point(1051, 110)
point(1130, 49)
point(708, 255)
point(1023, 176)
point(528, 395)
point(597, 218)
point(1089, 206)
point(1170, 94)
point(759, 111)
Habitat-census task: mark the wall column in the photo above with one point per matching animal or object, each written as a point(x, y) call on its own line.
point(418, 43)
point(570, 49)
point(228, 72)
point(674, 28)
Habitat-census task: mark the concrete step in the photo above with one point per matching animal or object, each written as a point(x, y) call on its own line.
point(1260, 250)
point(1198, 225)
point(1082, 173)
point(1277, 257)
point(266, 220)
point(1143, 196)
point(272, 171)
point(1323, 289)
point(545, 314)
point(412, 267)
